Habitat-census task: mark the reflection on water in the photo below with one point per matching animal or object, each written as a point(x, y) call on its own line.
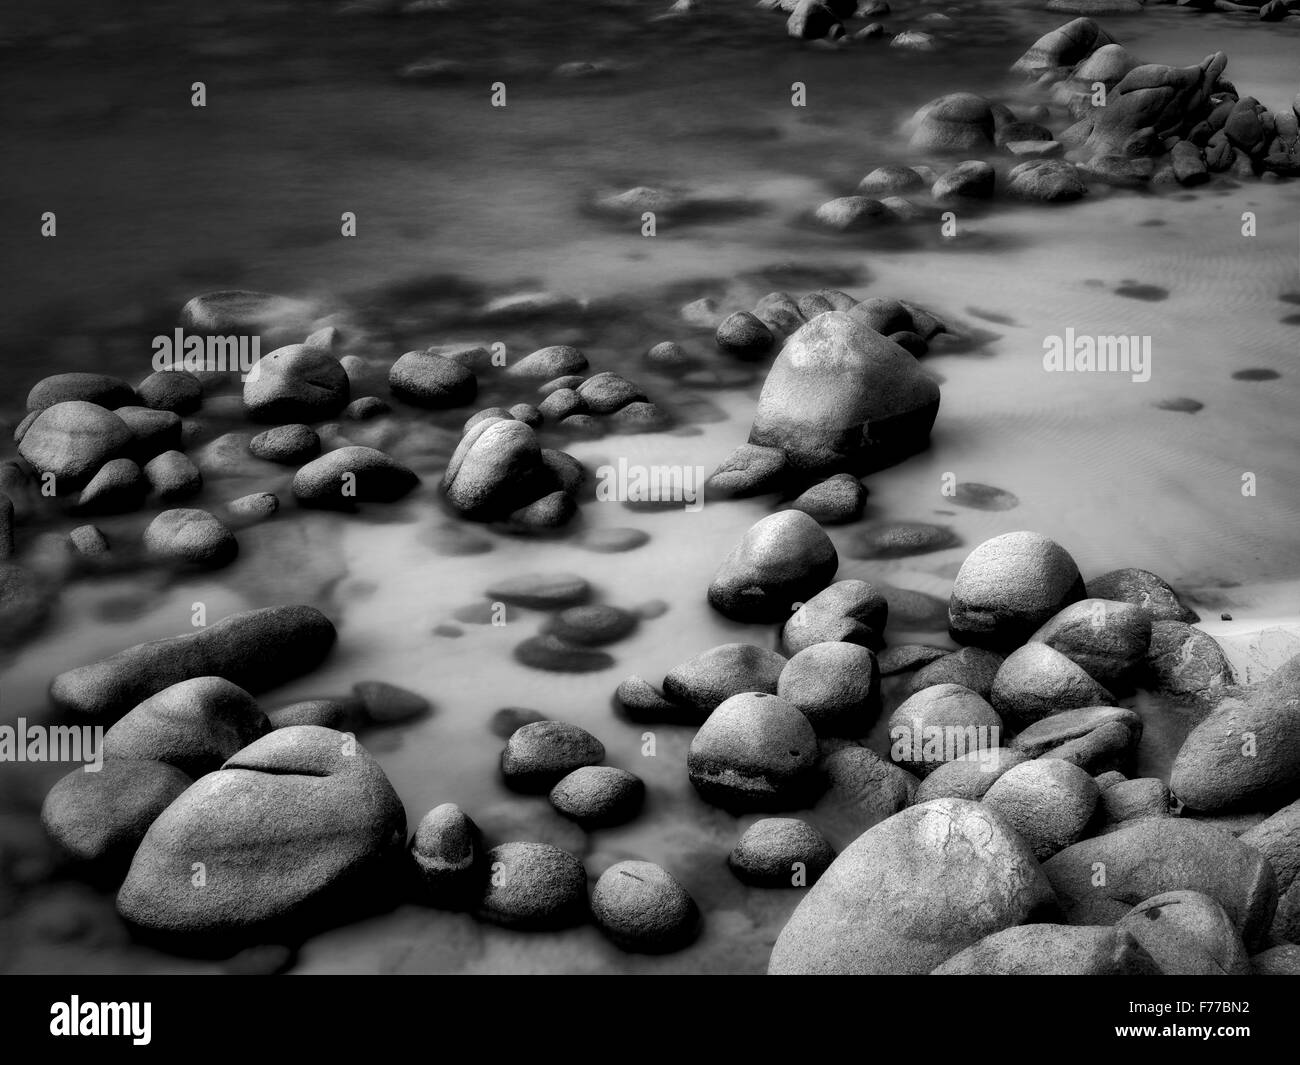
point(457, 202)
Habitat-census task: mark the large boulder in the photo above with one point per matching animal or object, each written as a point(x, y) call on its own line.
point(940, 724)
point(257, 650)
point(296, 383)
point(1245, 753)
point(841, 397)
point(1167, 100)
point(1098, 880)
point(835, 685)
point(782, 560)
point(1186, 663)
point(73, 439)
point(195, 725)
point(1052, 950)
point(910, 893)
point(291, 830)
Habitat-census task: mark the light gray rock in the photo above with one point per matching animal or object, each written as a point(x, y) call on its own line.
point(780, 852)
point(705, 682)
point(782, 560)
point(533, 887)
point(1052, 950)
point(190, 536)
point(1036, 682)
point(643, 908)
point(836, 686)
point(1188, 934)
point(1048, 801)
point(296, 383)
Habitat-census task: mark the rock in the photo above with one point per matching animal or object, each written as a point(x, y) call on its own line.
point(1160, 854)
point(641, 701)
point(1107, 638)
point(914, 41)
point(447, 851)
point(155, 431)
point(971, 180)
point(836, 686)
point(780, 852)
point(292, 827)
point(88, 541)
point(296, 383)
point(539, 755)
point(744, 335)
point(173, 476)
point(599, 796)
point(899, 539)
point(387, 704)
point(1065, 46)
point(274, 318)
point(890, 179)
point(906, 657)
point(970, 776)
point(642, 907)
point(1282, 960)
point(1189, 164)
point(1144, 589)
point(97, 388)
point(73, 439)
point(496, 470)
point(1245, 753)
point(118, 488)
point(427, 380)
point(592, 625)
point(910, 893)
point(257, 650)
point(958, 122)
point(541, 591)
point(551, 511)
point(189, 536)
point(1277, 838)
point(366, 408)
point(253, 508)
point(1155, 96)
point(1052, 950)
point(1186, 662)
point(834, 501)
point(604, 393)
point(971, 667)
point(1095, 738)
point(939, 724)
point(195, 725)
point(750, 470)
point(173, 390)
point(327, 713)
point(782, 560)
point(6, 526)
point(1048, 801)
point(289, 445)
point(99, 818)
point(561, 403)
point(1046, 181)
point(811, 20)
point(669, 355)
point(780, 312)
point(754, 752)
point(842, 398)
point(546, 363)
point(705, 682)
point(851, 214)
point(862, 790)
point(1008, 587)
point(846, 612)
point(1188, 934)
point(1131, 800)
point(338, 480)
point(1036, 681)
point(534, 887)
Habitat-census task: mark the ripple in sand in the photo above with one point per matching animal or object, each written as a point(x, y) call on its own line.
point(1256, 374)
point(1183, 405)
point(1135, 290)
point(978, 496)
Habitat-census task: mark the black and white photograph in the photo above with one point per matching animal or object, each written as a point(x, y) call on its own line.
point(650, 488)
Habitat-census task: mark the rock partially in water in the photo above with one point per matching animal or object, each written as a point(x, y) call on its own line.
point(973, 179)
point(447, 851)
point(744, 335)
point(97, 388)
point(958, 122)
point(599, 796)
point(541, 591)
point(1144, 589)
point(549, 362)
point(194, 725)
point(642, 907)
point(533, 887)
point(539, 755)
point(890, 179)
point(192, 537)
point(173, 476)
point(754, 752)
point(592, 625)
point(73, 439)
point(705, 682)
point(910, 893)
point(1008, 587)
point(118, 488)
point(257, 650)
point(497, 469)
point(899, 539)
point(835, 685)
point(846, 611)
point(554, 655)
point(341, 479)
point(780, 852)
point(428, 380)
point(296, 827)
point(851, 214)
point(750, 470)
point(1046, 181)
point(834, 501)
point(1095, 738)
point(1065, 46)
point(782, 560)
point(388, 704)
point(98, 819)
point(296, 383)
point(289, 445)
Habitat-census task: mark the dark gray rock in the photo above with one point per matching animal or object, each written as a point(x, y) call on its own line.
point(341, 479)
point(599, 796)
point(539, 755)
point(705, 682)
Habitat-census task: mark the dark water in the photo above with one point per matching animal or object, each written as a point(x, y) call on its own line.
point(458, 202)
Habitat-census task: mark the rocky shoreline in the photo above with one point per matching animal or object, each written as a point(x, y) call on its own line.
point(226, 820)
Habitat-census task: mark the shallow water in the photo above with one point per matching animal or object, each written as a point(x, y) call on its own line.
point(457, 201)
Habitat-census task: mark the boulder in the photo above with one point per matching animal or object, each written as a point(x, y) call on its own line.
point(970, 776)
point(1186, 662)
point(118, 488)
point(836, 686)
point(1108, 639)
point(172, 476)
point(428, 380)
point(912, 892)
point(341, 479)
point(862, 789)
point(73, 439)
point(497, 468)
point(175, 390)
point(705, 682)
point(1046, 181)
point(1064, 46)
point(533, 887)
point(780, 852)
point(643, 908)
point(289, 445)
point(782, 560)
point(447, 851)
point(835, 501)
point(541, 754)
point(971, 180)
point(1052, 950)
point(1048, 801)
point(971, 667)
point(958, 122)
point(743, 334)
point(939, 724)
point(558, 360)
point(750, 470)
point(1036, 682)
point(1144, 589)
point(191, 537)
point(1095, 738)
point(97, 388)
point(296, 383)
point(1187, 933)
point(599, 796)
point(845, 612)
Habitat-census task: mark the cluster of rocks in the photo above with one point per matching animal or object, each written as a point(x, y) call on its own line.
point(824, 21)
